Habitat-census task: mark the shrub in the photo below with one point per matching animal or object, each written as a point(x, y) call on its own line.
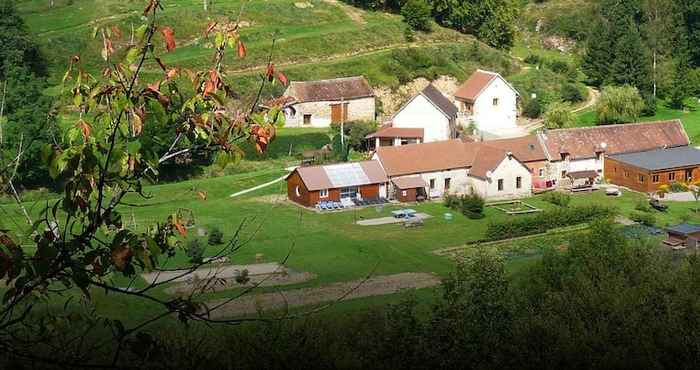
point(544, 221)
point(409, 35)
point(194, 250)
point(558, 198)
point(571, 93)
point(417, 14)
point(452, 201)
point(642, 206)
point(643, 218)
point(532, 59)
point(558, 66)
point(619, 105)
point(532, 108)
point(216, 237)
point(473, 205)
point(559, 115)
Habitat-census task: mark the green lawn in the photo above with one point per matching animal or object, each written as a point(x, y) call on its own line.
point(690, 118)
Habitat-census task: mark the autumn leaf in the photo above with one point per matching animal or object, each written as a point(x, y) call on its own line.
point(116, 31)
point(180, 229)
point(270, 74)
point(121, 256)
point(84, 129)
point(171, 73)
point(282, 78)
point(169, 36)
point(202, 195)
point(210, 27)
point(242, 51)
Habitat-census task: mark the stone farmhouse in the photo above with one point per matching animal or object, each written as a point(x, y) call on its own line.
point(489, 102)
point(429, 116)
point(455, 167)
point(320, 103)
point(579, 153)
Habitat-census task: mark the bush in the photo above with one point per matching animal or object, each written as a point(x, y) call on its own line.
point(216, 237)
point(532, 108)
point(559, 115)
point(558, 66)
point(544, 221)
point(642, 206)
point(532, 59)
point(417, 14)
point(643, 218)
point(558, 198)
point(194, 250)
point(473, 205)
point(619, 105)
point(571, 93)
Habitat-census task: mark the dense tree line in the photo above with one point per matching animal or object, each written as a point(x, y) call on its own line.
point(25, 118)
point(492, 21)
point(648, 44)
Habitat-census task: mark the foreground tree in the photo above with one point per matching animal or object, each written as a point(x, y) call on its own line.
point(79, 241)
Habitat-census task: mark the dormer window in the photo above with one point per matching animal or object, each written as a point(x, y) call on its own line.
point(495, 102)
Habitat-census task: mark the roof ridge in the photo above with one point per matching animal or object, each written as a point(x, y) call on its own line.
point(675, 120)
point(331, 79)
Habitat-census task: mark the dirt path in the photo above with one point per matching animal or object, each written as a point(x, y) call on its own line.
point(354, 13)
point(593, 96)
point(376, 286)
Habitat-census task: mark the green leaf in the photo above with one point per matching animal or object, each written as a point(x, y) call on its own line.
point(133, 148)
point(141, 31)
point(132, 55)
point(219, 41)
point(157, 111)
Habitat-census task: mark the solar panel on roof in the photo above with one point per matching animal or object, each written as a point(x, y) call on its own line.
point(347, 174)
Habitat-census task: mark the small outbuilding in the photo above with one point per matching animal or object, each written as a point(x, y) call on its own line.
point(409, 188)
point(646, 171)
point(337, 182)
point(686, 234)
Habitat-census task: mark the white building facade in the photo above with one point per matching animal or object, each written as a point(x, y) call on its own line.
point(489, 102)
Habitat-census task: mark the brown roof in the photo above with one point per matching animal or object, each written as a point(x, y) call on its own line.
point(409, 182)
point(526, 148)
point(388, 131)
point(279, 101)
point(440, 156)
point(330, 90)
point(341, 175)
point(590, 174)
point(581, 143)
point(477, 82)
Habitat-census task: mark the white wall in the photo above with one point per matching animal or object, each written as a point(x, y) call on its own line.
point(421, 113)
point(358, 110)
point(508, 170)
point(576, 165)
point(459, 182)
point(502, 116)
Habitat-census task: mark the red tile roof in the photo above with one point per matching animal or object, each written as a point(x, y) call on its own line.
point(526, 148)
point(391, 132)
point(581, 143)
point(409, 182)
point(477, 82)
point(440, 156)
point(337, 89)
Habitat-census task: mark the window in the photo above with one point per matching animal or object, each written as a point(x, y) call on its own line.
point(518, 182)
point(307, 119)
point(495, 102)
point(296, 191)
point(541, 172)
point(323, 193)
point(671, 176)
point(404, 193)
point(627, 173)
point(348, 192)
point(688, 175)
point(641, 178)
point(447, 184)
point(405, 141)
point(432, 183)
point(655, 178)
point(615, 169)
point(500, 184)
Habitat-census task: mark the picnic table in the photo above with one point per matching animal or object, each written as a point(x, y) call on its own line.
point(404, 213)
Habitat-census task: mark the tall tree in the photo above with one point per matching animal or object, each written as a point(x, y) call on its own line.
point(17, 45)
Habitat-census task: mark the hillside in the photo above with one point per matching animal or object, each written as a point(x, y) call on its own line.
point(315, 39)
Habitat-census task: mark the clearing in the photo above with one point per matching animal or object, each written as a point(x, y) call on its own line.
point(376, 286)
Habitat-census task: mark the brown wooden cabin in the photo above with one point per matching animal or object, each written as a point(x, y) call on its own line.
point(409, 189)
point(330, 183)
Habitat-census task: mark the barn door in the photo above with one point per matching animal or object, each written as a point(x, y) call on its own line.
point(338, 112)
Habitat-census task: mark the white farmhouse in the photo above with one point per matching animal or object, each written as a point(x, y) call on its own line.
point(429, 116)
point(320, 103)
point(454, 167)
point(488, 101)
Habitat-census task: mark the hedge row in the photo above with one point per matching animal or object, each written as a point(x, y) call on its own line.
point(543, 221)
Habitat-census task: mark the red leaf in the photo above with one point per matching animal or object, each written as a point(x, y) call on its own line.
point(171, 73)
point(84, 129)
point(180, 229)
point(210, 27)
point(242, 51)
point(270, 74)
point(121, 256)
point(282, 78)
point(169, 35)
point(116, 32)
